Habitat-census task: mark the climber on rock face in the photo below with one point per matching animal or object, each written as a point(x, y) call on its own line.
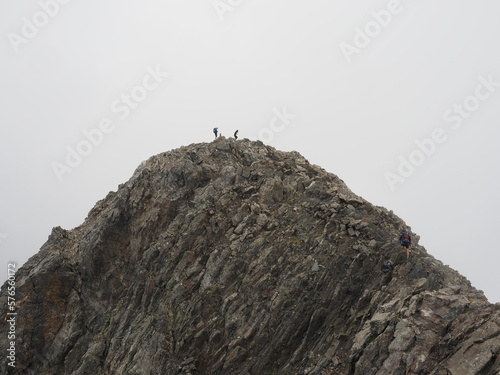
point(216, 130)
point(387, 266)
point(236, 134)
point(405, 242)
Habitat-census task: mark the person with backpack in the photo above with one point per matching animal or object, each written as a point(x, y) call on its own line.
point(405, 242)
point(216, 131)
point(387, 266)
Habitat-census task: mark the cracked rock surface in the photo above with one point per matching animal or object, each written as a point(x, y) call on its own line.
point(235, 258)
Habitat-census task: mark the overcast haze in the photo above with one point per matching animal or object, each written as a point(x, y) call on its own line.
point(399, 99)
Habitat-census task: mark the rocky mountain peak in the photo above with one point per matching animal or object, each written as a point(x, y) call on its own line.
point(232, 257)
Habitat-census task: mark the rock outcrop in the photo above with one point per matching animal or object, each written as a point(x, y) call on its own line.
point(235, 258)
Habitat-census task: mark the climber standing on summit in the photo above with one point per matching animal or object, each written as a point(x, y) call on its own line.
point(216, 131)
point(236, 134)
point(405, 242)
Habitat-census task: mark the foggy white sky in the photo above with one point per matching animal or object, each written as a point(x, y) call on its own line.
point(429, 69)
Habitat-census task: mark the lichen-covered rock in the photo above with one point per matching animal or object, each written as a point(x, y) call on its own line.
point(235, 258)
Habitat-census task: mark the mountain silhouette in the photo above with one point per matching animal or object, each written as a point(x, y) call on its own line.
point(232, 257)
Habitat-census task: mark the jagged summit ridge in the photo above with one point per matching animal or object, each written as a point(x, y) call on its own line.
point(231, 257)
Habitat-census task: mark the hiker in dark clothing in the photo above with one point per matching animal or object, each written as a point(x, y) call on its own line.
point(387, 266)
point(236, 134)
point(216, 130)
point(405, 242)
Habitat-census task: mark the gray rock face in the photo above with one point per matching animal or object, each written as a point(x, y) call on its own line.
point(234, 258)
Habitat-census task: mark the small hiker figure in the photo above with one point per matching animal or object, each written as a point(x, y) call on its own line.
point(236, 134)
point(387, 266)
point(405, 242)
point(216, 130)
